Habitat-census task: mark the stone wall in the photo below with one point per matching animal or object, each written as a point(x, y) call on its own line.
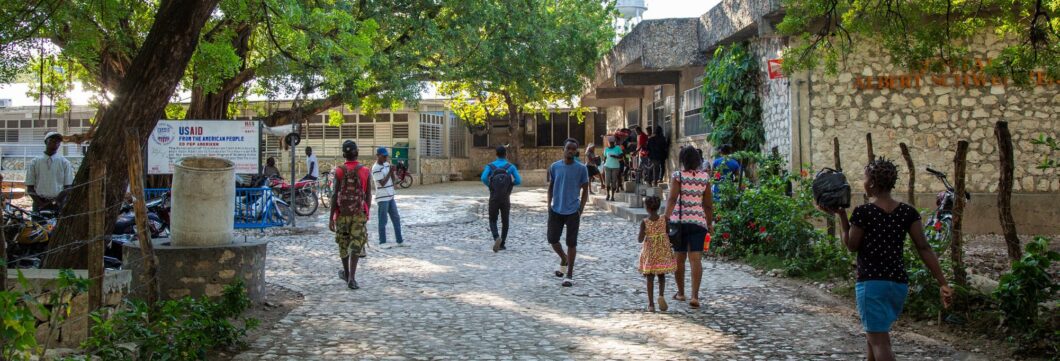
point(930, 113)
point(74, 330)
point(775, 97)
point(202, 271)
point(530, 158)
point(437, 170)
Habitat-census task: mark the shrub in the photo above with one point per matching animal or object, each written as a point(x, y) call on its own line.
point(18, 325)
point(1021, 292)
point(774, 217)
point(182, 329)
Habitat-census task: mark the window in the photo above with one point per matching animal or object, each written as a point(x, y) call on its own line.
point(314, 131)
point(401, 118)
point(349, 118)
point(457, 139)
point(480, 140)
point(348, 131)
point(9, 136)
point(431, 135)
point(632, 118)
point(692, 111)
point(544, 131)
point(331, 132)
point(382, 118)
point(577, 129)
point(365, 131)
point(400, 131)
point(53, 123)
point(599, 127)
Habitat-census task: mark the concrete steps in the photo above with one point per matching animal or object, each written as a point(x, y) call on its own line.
point(626, 205)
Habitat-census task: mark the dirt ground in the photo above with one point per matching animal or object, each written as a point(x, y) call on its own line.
point(279, 302)
point(987, 255)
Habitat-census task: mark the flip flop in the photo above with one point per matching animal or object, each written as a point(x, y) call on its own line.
point(694, 304)
point(679, 297)
point(567, 283)
point(352, 285)
point(562, 267)
point(662, 303)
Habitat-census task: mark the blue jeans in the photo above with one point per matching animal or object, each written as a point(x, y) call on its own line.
point(389, 208)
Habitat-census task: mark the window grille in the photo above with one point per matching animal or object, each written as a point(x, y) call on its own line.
point(431, 135)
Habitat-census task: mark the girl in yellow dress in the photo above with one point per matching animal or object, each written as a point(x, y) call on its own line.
point(656, 255)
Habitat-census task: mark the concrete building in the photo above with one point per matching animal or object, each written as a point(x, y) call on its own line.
point(654, 76)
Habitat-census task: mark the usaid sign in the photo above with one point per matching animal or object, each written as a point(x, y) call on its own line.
point(238, 141)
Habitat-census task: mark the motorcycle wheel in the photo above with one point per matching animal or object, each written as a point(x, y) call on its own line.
point(406, 181)
point(306, 203)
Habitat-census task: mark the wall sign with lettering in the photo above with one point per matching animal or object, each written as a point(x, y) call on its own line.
point(237, 141)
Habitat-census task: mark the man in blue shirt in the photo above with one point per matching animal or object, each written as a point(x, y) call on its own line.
point(500, 176)
point(565, 178)
point(725, 168)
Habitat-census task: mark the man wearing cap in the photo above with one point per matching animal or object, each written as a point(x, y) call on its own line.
point(349, 212)
point(383, 174)
point(500, 199)
point(48, 176)
point(311, 164)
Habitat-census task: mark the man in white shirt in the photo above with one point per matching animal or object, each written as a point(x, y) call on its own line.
point(383, 174)
point(49, 176)
point(311, 164)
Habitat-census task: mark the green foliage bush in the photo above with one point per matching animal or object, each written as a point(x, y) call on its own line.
point(182, 329)
point(18, 325)
point(731, 105)
point(1021, 293)
point(774, 216)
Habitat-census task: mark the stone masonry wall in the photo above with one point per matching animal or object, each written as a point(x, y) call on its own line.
point(775, 97)
point(930, 113)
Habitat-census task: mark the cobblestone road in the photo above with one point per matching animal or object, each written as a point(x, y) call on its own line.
point(448, 296)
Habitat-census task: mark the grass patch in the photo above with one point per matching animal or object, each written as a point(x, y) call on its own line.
point(765, 262)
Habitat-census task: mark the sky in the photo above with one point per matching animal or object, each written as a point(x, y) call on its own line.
point(661, 9)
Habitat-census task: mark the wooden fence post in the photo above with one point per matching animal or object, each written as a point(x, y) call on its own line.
point(872, 157)
point(911, 198)
point(3, 244)
point(96, 230)
point(830, 220)
point(136, 187)
point(1004, 191)
point(956, 244)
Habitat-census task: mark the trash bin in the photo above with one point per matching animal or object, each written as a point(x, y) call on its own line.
point(400, 152)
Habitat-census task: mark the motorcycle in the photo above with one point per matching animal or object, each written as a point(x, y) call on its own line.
point(124, 230)
point(939, 225)
point(27, 236)
point(305, 201)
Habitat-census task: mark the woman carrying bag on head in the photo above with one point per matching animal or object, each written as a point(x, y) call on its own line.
point(690, 211)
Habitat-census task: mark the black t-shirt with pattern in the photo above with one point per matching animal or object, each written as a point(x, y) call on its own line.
point(880, 256)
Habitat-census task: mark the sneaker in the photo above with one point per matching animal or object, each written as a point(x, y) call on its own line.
point(352, 284)
point(503, 248)
point(385, 246)
point(496, 245)
point(402, 244)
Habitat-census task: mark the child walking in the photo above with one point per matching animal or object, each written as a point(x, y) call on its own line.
point(876, 232)
point(656, 255)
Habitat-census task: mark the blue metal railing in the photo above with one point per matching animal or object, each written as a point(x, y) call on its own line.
point(255, 208)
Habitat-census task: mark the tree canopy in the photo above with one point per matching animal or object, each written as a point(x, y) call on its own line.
point(525, 57)
point(931, 34)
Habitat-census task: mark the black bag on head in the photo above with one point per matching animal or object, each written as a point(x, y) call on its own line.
point(501, 181)
point(831, 189)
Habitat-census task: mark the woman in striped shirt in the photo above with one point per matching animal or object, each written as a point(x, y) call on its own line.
point(692, 207)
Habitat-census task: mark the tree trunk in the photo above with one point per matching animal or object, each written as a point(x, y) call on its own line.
point(138, 104)
point(515, 131)
point(214, 105)
point(957, 244)
point(911, 198)
point(1004, 191)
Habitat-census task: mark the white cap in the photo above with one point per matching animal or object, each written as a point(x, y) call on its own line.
point(52, 134)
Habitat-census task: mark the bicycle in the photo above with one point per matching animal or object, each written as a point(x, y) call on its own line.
point(325, 188)
point(401, 173)
point(939, 226)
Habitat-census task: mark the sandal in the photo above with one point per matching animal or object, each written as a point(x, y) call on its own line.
point(562, 267)
point(342, 275)
point(567, 283)
point(651, 308)
point(662, 303)
point(694, 304)
point(679, 297)
point(352, 285)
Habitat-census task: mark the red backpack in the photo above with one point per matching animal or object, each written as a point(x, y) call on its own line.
point(351, 196)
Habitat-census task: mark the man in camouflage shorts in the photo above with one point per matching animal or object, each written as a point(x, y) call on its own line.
point(349, 212)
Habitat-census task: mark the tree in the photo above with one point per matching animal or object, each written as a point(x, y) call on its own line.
point(730, 99)
point(140, 97)
point(525, 56)
point(931, 34)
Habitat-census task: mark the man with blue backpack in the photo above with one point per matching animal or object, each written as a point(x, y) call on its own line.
point(500, 177)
